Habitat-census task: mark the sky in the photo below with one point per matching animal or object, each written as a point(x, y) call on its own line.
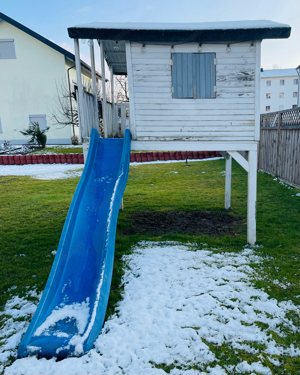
point(51, 19)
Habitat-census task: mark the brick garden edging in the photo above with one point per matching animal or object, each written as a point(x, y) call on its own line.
point(41, 159)
point(78, 158)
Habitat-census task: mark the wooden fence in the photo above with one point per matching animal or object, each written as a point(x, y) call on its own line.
point(279, 147)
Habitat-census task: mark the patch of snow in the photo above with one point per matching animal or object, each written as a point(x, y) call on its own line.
point(12, 330)
point(43, 171)
point(77, 311)
point(224, 25)
point(175, 298)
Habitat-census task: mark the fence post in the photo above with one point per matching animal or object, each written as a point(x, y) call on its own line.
point(278, 138)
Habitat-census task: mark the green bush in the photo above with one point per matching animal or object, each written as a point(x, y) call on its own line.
point(37, 135)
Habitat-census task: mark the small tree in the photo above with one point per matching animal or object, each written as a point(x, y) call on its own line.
point(66, 113)
point(121, 89)
point(37, 135)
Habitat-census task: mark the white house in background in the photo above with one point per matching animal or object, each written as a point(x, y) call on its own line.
point(278, 89)
point(191, 86)
point(30, 68)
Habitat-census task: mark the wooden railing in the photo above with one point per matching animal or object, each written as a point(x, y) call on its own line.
point(279, 148)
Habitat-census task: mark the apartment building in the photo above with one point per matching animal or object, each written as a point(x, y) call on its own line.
point(278, 89)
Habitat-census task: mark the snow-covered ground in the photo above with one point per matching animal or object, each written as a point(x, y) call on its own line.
point(57, 171)
point(43, 171)
point(176, 300)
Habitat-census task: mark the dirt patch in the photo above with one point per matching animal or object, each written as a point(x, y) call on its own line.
point(194, 223)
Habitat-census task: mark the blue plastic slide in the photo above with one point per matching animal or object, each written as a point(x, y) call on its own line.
point(71, 312)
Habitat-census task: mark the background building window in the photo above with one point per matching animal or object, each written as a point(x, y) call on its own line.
point(294, 106)
point(193, 75)
point(282, 82)
point(281, 107)
point(268, 83)
point(281, 95)
point(295, 81)
point(41, 119)
point(268, 95)
point(7, 49)
point(268, 108)
point(295, 94)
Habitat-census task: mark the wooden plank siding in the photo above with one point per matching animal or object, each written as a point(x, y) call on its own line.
point(229, 117)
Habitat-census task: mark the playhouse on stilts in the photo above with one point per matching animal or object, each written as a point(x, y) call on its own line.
point(191, 87)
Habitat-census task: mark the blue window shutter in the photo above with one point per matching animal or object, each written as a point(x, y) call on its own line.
point(182, 75)
point(204, 75)
point(193, 75)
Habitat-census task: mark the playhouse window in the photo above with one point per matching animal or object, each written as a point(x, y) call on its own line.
point(7, 49)
point(193, 75)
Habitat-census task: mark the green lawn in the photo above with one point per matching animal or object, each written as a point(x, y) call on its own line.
point(33, 212)
point(58, 150)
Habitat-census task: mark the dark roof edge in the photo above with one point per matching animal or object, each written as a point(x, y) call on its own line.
point(179, 36)
point(46, 41)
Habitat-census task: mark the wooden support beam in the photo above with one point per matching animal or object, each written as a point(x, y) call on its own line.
point(193, 145)
point(224, 154)
point(251, 204)
point(257, 90)
point(94, 83)
point(113, 109)
point(240, 159)
point(104, 104)
point(130, 90)
point(80, 91)
point(228, 167)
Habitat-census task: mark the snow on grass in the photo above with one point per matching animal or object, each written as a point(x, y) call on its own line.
point(43, 171)
point(16, 316)
point(176, 302)
point(61, 171)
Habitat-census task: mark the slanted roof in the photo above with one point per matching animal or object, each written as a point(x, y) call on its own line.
point(276, 73)
point(173, 33)
point(235, 31)
point(46, 41)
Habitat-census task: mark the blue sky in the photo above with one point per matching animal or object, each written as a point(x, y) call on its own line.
point(51, 19)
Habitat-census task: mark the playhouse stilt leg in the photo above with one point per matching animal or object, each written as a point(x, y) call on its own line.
point(228, 166)
point(122, 205)
point(251, 207)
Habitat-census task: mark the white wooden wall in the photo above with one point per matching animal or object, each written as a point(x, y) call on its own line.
point(229, 117)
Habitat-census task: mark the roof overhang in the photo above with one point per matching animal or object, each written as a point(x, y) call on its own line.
point(173, 33)
point(236, 31)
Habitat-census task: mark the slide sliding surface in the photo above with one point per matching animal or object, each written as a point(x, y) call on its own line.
point(71, 312)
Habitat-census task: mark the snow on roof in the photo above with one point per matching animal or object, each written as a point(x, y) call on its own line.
point(227, 25)
point(278, 73)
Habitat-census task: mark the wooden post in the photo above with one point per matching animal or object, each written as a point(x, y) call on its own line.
point(113, 115)
point(278, 143)
point(228, 168)
point(92, 54)
point(130, 90)
point(257, 90)
point(80, 103)
point(104, 104)
point(251, 204)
